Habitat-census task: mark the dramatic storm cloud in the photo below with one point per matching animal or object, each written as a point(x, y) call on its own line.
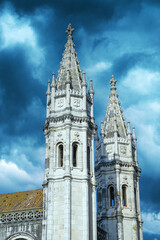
point(111, 37)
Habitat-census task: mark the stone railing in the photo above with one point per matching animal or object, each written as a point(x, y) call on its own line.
point(26, 215)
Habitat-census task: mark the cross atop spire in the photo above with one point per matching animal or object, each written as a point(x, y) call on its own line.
point(113, 82)
point(69, 30)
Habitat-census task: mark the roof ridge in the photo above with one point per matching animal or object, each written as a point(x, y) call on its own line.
point(23, 191)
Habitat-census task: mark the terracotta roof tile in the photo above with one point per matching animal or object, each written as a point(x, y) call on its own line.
point(21, 200)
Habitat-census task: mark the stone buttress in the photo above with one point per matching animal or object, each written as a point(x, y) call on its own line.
point(69, 182)
point(117, 175)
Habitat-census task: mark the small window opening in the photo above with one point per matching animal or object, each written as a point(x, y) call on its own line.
point(75, 153)
point(124, 195)
point(88, 159)
point(60, 153)
point(111, 196)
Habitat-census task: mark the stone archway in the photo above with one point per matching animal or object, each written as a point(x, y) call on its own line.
point(21, 236)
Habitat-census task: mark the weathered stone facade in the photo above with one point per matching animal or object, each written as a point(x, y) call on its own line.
point(21, 215)
point(117, 175)
point(66, 210)
point(69, 184)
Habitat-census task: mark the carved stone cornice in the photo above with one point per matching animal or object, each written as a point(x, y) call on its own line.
point(117, 162)
point(70, 117)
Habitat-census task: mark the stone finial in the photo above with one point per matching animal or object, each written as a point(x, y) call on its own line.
point(113, 83)
point(129, 129)
point(134, 134)
point(84, 77)
point(91, 87)
point(49, 88)
point(84, 80)
point(102, 128)
point(70, 30)
point(53, 79)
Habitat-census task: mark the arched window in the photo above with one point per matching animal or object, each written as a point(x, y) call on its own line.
point(21, 236)
point(111, 193)
point(124, 195)
point(60, 155)
point(88, 158)
point(74, 154)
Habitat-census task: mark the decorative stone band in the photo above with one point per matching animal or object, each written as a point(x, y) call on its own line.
point(72, 118)
point(19, 216)
point(117, 162)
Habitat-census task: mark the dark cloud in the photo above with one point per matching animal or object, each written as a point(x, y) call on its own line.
point(19, 89)
point(124, 63)
point(89, 14)
point(150, 193)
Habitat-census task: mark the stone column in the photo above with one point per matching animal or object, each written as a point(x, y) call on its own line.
point(139, 213)
point(93, 187)
point(50, 210)
point(118, 206)
point(53, 86)
point(85, 210)
point(84, 87)
point(94, 212)
point(51, 154)
point(67, 179)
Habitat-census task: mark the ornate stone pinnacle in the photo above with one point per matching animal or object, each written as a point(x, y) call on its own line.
point(113, 82)
point(69, 30)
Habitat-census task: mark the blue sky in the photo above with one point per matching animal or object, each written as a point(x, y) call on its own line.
point(111, 37)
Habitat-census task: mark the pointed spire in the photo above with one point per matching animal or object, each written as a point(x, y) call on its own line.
point(114, 111)
point(69, 62)
point(91, 91)
point(49, 88)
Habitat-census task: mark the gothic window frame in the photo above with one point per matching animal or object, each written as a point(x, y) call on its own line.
point(124, 195)
point(111, 195)
point(21, 235)
point(60, 154)
point(75, 149)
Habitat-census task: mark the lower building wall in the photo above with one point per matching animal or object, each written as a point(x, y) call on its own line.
point(130, 229)
point(112, 229)
point(30, 228)
point(77, 210)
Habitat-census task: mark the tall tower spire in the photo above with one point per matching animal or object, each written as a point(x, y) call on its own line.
point(69, 181)
point(69, 63)
point(117, 175)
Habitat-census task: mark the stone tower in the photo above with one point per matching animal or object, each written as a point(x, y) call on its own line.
point(69, 182)
point(117, 175)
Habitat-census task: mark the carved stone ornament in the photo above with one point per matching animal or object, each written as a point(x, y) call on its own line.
point(123, 150)
point(76, 136)
point(110, 178)
point(125, 178)
point(60, 103)
point(76, 102)
point(21, 216)
point(59, 136)
point(109, 149)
